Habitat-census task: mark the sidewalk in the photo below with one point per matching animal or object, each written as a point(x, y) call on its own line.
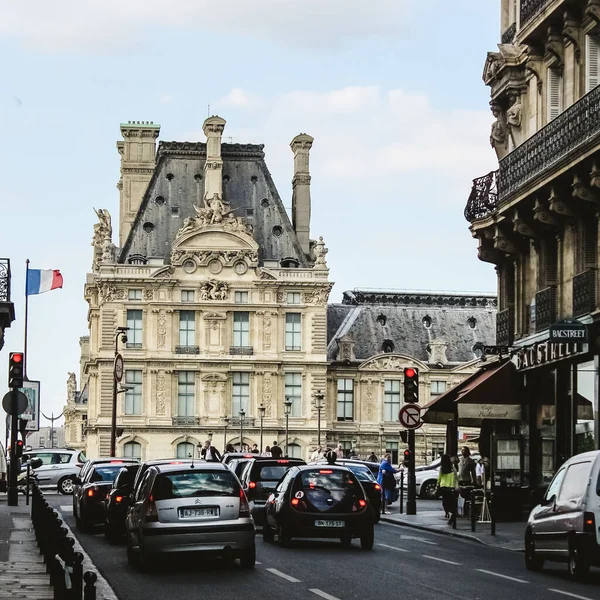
point(509, 536)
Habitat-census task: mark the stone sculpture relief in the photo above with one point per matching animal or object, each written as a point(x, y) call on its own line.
point(162, 331)
point(214, 290)
point(267, 332)
point(161, 395)
point(267, 394)
point(104, 249)
point(499, 134)
point(320, 251)
point(71, 387)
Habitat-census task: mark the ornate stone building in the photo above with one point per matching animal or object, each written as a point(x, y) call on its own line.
point(224, 298)
point(76, 409)
point(536, 219)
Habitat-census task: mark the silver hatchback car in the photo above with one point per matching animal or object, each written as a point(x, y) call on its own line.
point(59, 466)
point(198, 507)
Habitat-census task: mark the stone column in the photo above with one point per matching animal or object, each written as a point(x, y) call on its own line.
point(301, 146)
point(213, 167)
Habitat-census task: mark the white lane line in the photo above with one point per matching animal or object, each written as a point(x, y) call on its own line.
point(323, 594)
point(258, 563)
point(283, 576)
point(67, 508)
point(418, 539)
point(503, 576)
point(393, 548)
point(450, 562)
point(569, 594)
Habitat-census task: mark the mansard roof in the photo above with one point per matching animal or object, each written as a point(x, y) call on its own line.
point(413, 323)
point(178, 183)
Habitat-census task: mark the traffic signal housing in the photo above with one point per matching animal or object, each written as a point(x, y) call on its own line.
point(16, 362)
point(19, 449)
point(411, 385)
point(407, 458)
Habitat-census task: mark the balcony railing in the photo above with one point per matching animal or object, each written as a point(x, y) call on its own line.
point(190, 421)
point(531, 8)
point(187, 350)
point(579, 124)
point(4, 280)
point(241, 350)
point(483, 200)
point(505, 327)
point(248, 422)
point(545, 308)
point(509, 35)
point(584, 293)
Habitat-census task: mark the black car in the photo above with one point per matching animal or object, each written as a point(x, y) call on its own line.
point(259, 479)
point(117, 502)
point(319, 501)
point(91, 491)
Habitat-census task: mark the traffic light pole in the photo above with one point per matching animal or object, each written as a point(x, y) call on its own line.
point(411, 498)
point(12, 495)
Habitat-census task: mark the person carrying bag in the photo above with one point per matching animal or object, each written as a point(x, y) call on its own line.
point(447, 485)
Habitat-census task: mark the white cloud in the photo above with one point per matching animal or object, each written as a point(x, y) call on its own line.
point(105, 26)
point(238, 98)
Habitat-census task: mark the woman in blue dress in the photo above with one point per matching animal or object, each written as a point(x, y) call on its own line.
point(387, 480)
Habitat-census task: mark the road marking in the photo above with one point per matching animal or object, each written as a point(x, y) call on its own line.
point(418, 539)
point(569, 594)
point(67, 508)
point(323, 594)
point(503, 576)
point(393, 548)
point(450, 562)
point(283, 576)
point(258, 563)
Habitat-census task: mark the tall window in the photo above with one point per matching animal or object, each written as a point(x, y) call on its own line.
point(240, 393)
point(293, 391)
point(135, 294)
point(555, 93)
point(240, 297)
point(438, 387)
point(294, 451)
point(592, 59)
point(392, 448)
point(294, 298)
point(293, 331)
point(185, 394)
point(241, 329)
point(187, 295)
point(187, 328)
point(133, 395)
point(185, 450)
point(132, 450)
point(391, 399)
point(134, 322)
point(345, 399)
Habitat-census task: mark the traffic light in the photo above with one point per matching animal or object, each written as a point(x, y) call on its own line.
point(411, 385)
point(404, 436)
point(23, 427)
point(19, 449)
point(407, 458)
point(120, 431)
point(15, 370)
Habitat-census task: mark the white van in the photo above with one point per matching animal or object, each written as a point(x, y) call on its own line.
point(564, 527)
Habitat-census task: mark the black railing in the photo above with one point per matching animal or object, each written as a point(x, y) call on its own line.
point(186, 421)
point(545, 308)
point(187, 350)
point(241, 350)
point(483, 200)
point(505, 327)
point(4, 279)
point(578, 124)
point(531, 8)
point(584, 293)
point(248, 422)
point(509, 35)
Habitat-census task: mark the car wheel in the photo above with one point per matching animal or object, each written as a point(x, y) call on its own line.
point(346, 540)
point(532, 561)
point(268, 534)
point(578, 563)
point(248, 558)
point(284, 537)
point(367, 538)
point(65, 486)
point(428, 490)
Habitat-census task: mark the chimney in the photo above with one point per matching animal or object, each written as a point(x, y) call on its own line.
point(213, 167)
point(138, 153)
point(301, 146)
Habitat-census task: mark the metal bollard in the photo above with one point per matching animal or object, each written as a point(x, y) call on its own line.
point(27, 484)
point(492, 509)
point(473, 515)
point(58, 580)
point(89, 591)
point(77, 577)
point(402, 491)
point(455, 511)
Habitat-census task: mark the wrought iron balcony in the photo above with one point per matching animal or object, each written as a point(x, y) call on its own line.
point(4, 280)
point(505, 327)
point(187, 350)
point(573, 130)
point(7, 308)
point(509, 35)
point(545, 308)
point(189, 421)
point(584, 293)
point(248, 422)
point(531, 8)
point(241, 350)
point(483, 200)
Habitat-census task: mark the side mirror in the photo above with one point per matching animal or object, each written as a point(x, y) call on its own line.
point(549, 501)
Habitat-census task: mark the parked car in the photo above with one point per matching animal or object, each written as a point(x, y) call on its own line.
point(59, 467)
point(318, 501)
point(156, 462)
point(259, 479)
point(91, 489)
point(117, 502)
point(185, 508)
point(564, 527)
point(229, 456)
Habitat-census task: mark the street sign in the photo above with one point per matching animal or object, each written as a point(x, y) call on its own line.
point(118, 368)
point(22, 402)
point(410, 416)
point(568, 331)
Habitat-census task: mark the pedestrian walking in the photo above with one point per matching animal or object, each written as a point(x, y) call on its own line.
point(209, 453)
point(447, 485)
point(317, 454)
point(353, 453)
point(373, 457)
point(229, 448)
point(267, 452)
point(276, 451)
point(254, 449)
point(387, 480)
point(339, 451)
point(467, 474)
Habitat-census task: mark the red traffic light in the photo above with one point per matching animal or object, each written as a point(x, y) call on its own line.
point(17, 357)
point(410, 373)
point(407, 453)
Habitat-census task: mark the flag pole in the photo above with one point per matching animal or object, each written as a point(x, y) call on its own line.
point(26, 314)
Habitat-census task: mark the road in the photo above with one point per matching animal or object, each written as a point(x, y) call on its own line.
point(405, 563)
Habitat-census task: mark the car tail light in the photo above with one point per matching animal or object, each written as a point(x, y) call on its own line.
point(252, 485)
point(151, 512)
point(362, 503)
point(91, 492)
point(589, 522)
point(377, 487)
point(176, 462)
point(248, 455)
point(118, 499)
point(295, 501)
point(116, 462)
point(283, 462)
point(244, 507)
point(325, 472)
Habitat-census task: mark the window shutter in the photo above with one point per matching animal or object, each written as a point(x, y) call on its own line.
point(551, 262)
point(554, 93)
point(592, 67)
point(590, 244)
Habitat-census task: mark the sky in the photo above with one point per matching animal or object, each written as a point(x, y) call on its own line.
point(391, 90)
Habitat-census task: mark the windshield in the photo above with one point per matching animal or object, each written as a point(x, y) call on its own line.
point(195, 483)
point(324, 490)
point(107, 473)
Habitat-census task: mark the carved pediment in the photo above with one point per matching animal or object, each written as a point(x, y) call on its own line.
point(494, 63)
point(214, 377)
point(391, 362)
point(213, 316)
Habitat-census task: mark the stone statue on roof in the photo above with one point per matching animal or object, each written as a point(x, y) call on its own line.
point(103, 247)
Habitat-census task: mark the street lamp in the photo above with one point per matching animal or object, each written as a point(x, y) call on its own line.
point(261, 411)
point(287, 409)
point(225, 424)
point(119, 335)
point(242, 417)
point(319, 397)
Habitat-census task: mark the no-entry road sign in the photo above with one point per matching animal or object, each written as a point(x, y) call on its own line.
point(410, 416)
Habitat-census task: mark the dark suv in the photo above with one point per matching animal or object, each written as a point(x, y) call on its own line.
point(260, 478)
point(117, 502)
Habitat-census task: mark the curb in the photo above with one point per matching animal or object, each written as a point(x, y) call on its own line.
point(449, 532)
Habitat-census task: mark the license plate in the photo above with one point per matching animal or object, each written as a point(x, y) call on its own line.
point(325, 523)
point(190, 513)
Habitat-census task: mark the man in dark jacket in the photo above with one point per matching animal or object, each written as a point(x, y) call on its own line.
point(210, 453)
point(276, 451)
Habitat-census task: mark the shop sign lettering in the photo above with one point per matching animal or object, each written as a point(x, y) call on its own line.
point(546, 352)
point(489, 411)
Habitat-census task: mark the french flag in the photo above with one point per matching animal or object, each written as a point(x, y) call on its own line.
point(39, 281)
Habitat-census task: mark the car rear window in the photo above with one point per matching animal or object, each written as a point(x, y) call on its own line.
point(362, 473)
point(328, 478)
point(271, 472)
point(327, 490)
point(107, 473)
point(190, 484)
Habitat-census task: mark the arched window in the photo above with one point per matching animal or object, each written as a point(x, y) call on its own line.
point(294, 451)
point(132, 450)
point(185, 450)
